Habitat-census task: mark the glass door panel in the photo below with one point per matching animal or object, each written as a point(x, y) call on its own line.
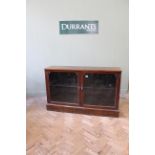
point(99, 89)
point(64, 87)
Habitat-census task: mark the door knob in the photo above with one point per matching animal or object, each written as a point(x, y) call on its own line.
point(86, 76)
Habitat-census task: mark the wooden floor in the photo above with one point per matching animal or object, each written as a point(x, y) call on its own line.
point(55, 133)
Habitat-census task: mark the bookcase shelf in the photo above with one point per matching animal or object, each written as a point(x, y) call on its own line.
point(86, 90)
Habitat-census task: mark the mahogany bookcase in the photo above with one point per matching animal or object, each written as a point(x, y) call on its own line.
point(86, 90)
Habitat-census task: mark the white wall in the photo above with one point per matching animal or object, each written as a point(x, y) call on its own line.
point(46, 47)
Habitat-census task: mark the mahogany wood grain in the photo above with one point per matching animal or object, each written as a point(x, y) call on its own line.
point(81, 68)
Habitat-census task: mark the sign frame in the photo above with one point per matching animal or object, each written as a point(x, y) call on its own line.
point(79, 27)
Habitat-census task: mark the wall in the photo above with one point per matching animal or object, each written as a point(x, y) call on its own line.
point(46, 47)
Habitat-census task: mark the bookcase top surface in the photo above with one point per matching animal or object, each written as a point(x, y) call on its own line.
point(82, 68)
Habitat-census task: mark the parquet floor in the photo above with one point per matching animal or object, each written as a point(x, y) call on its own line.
point(55, 133)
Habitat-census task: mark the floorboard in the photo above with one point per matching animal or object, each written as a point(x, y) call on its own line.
point(57, 133)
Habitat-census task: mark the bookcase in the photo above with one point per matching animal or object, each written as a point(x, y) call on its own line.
point(86, 90)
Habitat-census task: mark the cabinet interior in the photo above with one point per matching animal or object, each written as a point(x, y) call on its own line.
point(98, 88)
point(63, 87)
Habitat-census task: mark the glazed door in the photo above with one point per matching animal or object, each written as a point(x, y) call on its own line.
point(98, 89)
point(64, 87)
